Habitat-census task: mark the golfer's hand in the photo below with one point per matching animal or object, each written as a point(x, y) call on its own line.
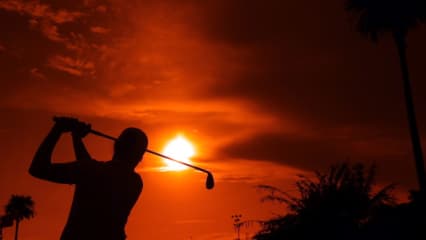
point(65, 124)
point(81, 129)
point(73, 125)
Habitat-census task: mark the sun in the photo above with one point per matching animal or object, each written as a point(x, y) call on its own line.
point(180, 149)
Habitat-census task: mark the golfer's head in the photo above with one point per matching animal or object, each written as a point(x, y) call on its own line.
point(130, 146)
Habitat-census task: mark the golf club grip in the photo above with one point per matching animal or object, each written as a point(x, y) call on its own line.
point(152, 152)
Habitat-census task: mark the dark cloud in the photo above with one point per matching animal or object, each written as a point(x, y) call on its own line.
point(344, 91)
point(315, 153)
point(252, 22)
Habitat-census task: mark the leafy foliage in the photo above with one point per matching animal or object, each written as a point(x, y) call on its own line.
point(335, 202)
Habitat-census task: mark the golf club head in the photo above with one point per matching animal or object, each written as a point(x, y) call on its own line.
point(209, 181)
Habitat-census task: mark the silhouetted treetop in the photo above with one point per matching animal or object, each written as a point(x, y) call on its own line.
point(380, 16)
point(19, 208)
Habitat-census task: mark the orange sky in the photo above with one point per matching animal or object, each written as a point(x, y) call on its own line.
point(265, 91)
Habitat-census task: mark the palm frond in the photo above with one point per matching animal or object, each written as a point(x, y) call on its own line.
point(375, 17)
point(20, 207)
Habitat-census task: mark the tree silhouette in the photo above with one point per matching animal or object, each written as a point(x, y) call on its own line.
point(237, 224)
point(396, 17)
point(333, 206)
point(5, 221)
point(20, 208)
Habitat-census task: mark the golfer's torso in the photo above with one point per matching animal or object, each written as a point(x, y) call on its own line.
point(102, 202)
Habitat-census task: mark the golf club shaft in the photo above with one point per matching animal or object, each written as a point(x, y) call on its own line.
point(152, 152)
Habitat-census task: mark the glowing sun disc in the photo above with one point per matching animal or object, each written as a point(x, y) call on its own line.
point(180, 149)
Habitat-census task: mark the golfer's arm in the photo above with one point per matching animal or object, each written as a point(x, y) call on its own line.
point(42, 161)
point(80, 150)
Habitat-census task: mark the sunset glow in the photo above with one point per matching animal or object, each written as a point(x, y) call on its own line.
point(180, 149)
point(256, 93)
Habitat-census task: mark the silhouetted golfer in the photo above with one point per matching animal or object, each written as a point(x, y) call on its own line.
point(105, 192)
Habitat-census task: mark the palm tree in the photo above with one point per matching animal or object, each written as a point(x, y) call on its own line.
point(19, 208)
point(336, 202)
point(396, 17)
point(5, 221)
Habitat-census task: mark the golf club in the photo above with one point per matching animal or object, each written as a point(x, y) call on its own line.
point(209, 180)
